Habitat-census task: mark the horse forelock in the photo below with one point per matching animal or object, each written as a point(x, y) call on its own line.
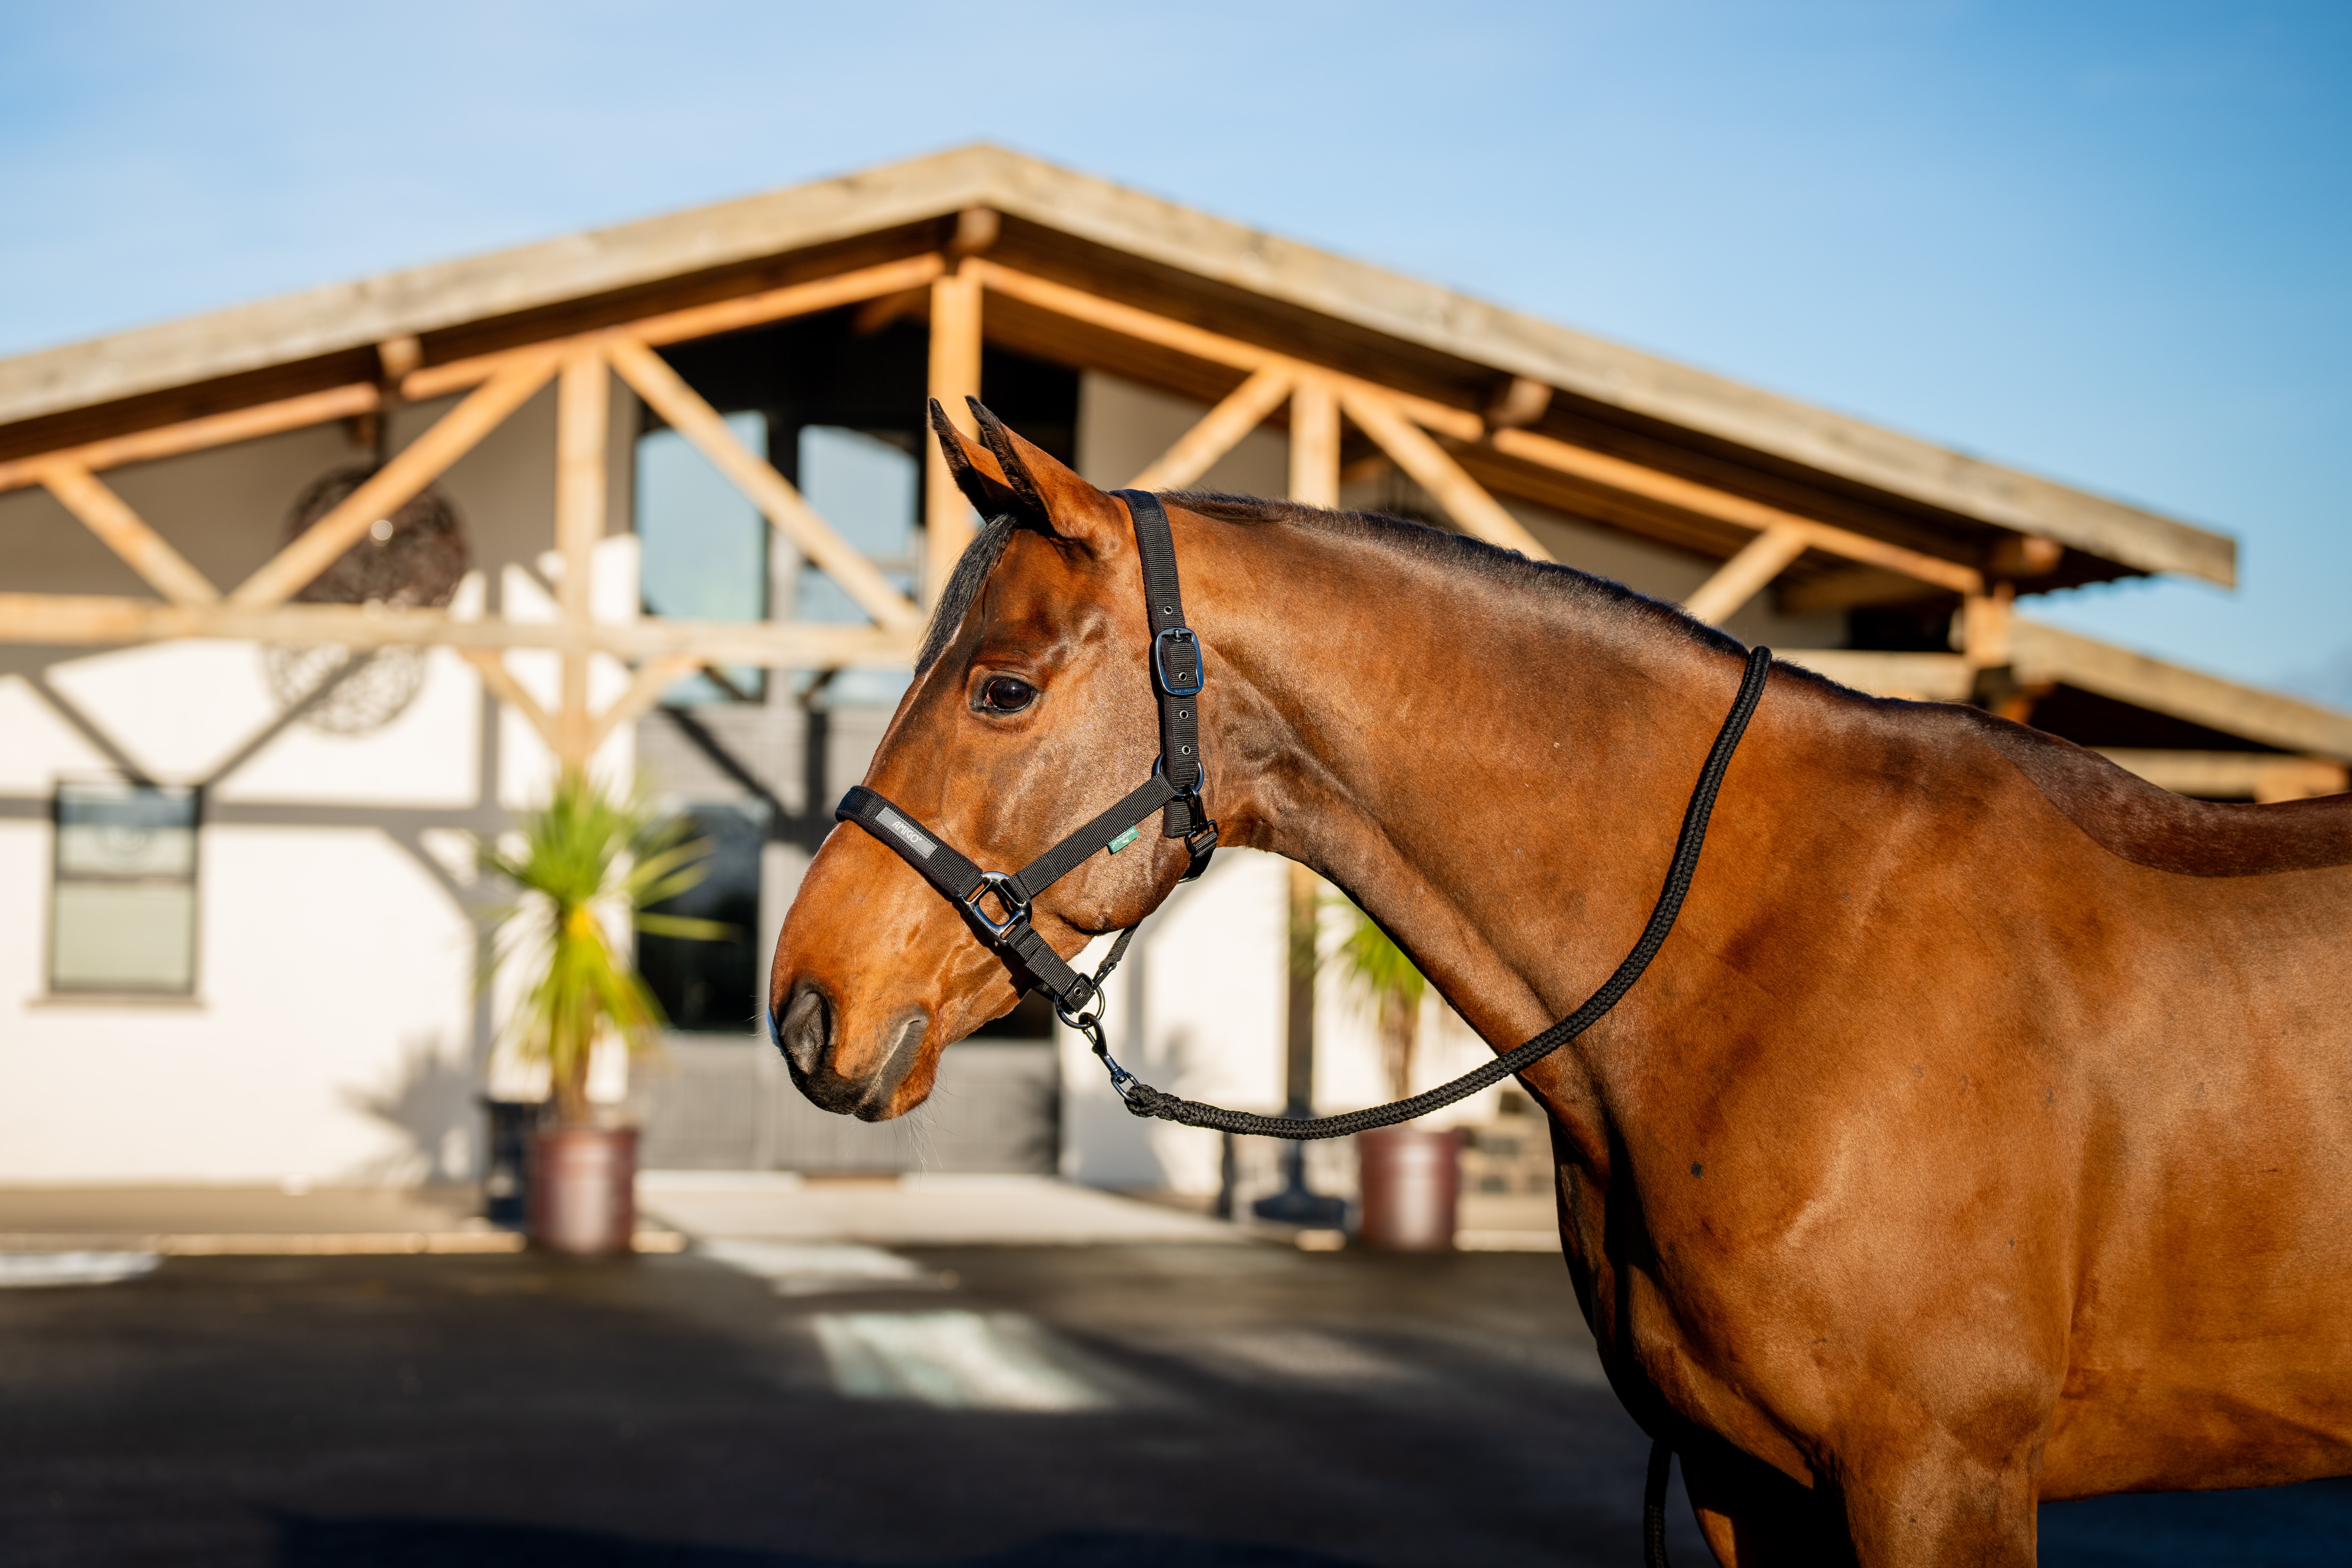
point(970, 574)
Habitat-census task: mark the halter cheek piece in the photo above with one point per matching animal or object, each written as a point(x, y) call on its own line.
point(1178, 673)
point(1174, 791)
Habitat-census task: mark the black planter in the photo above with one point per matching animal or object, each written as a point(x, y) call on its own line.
point(506, 1171)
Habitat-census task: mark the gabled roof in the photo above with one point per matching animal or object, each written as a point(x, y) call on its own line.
point(1179, 261)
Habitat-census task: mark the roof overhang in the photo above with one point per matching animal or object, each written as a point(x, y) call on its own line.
point(1610, 392)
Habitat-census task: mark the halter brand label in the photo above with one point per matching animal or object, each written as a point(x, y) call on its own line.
point(906, 831)
point(1122, 841)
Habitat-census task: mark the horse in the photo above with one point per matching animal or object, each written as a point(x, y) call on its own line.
point(1981, 1135)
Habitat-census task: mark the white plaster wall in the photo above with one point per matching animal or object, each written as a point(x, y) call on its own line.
point(331, 1032)
point(1208, 968)
point(329, 1037)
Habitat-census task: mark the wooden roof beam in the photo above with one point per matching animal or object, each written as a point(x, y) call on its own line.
point(126, 533)
point(1196, 451)
point(197, 435)
point(87, 620)
point(698, 321)
point(1466, 501)
point(392, 486)
point(651, 378)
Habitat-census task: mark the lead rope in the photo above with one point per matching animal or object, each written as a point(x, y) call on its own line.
point(1654, 1507)
point(1143, 1100)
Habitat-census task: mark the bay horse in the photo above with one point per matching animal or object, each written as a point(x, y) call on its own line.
point(1982, 1134)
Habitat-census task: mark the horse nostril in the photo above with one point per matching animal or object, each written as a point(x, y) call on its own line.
point(805, 1029)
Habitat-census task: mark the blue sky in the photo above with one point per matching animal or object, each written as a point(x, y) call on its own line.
point(2110, 242)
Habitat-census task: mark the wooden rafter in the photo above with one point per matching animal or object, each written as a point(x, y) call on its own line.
point(501, 683)
point(392, 486)
point(197, 435)
point(696, 321)
point(653, 677)
point(1706, 501)
point(1744, 576)
point(126, 533)
point(651, 378)
point(1466, 501)
point(89, 619)
point(1195, 452)
point(1201, 343)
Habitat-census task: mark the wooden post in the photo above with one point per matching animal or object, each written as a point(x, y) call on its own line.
point(1298, 1025)
point(583, 412)
point(955, 376)
point(1314, 481)
point(1314, 443)
point(1986, 622)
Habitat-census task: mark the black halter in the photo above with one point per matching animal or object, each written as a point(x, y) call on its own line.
point(1178, 673)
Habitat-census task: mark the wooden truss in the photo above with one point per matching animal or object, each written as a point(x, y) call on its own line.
point(1435, 444)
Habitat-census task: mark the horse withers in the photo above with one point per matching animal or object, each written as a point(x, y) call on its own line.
point(1982, 1134)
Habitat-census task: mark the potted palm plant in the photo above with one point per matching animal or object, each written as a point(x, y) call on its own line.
point(587, 866)
point(1409, 1176)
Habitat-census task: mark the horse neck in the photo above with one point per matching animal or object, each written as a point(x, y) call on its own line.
point(1494, 768)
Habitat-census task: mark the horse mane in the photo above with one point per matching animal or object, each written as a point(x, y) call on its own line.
point(1456, 551)
point(1461, 553)
point(2149, 826)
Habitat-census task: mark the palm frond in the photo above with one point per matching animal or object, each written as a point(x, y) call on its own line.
point(586, 865)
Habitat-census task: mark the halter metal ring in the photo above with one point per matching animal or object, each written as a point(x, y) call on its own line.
point(1016, 910)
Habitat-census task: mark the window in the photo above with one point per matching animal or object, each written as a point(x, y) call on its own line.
point(704, 550)
point(706, 986)
point(124, 916)
point(867, 485)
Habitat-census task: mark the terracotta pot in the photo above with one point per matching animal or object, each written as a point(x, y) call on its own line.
point(583, 1189)
point(1410, 1177)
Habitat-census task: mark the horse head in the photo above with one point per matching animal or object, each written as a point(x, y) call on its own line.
point(1032, 710)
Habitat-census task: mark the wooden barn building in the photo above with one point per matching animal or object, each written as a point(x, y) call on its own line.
point(295, 596)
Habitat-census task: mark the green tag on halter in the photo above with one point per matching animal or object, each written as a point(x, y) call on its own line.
point(1122, 841)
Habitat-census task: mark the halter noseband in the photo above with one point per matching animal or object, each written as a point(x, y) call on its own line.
point(1178, 673)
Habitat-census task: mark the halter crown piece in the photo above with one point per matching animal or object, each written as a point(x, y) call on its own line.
point(1178, 674)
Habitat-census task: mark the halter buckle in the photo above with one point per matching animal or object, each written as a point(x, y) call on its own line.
point(1179, 684)
point(1016, 910)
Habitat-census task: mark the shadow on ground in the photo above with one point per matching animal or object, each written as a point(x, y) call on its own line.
point(2309, 1526)
point(459, 1543)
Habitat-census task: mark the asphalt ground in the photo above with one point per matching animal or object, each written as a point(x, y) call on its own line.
point(1173, 1406)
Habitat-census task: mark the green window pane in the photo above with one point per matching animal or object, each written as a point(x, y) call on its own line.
point(124, 936)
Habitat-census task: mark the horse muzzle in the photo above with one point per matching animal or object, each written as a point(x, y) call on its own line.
point(806, 1031)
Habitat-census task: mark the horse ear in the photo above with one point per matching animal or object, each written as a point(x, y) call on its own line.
point(1071, 507)
point(974, 468)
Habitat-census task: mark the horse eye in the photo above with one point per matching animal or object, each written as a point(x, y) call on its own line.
point(1007, 694)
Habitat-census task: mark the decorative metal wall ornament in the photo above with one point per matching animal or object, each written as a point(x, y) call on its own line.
point(415, 556)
